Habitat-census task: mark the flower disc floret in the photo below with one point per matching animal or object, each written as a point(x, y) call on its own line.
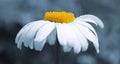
point(59, 17)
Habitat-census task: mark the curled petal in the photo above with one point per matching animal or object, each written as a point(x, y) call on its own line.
point(90, 18)
point(87, 25)
point(89, 35)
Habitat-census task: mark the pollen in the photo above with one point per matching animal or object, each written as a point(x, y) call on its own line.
point(59, 17)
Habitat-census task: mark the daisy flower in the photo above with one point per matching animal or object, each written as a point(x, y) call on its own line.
point(71, 33)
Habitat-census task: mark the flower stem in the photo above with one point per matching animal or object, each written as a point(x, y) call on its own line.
point(57, 53)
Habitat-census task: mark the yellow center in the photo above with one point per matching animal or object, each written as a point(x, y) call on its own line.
point(59, 17)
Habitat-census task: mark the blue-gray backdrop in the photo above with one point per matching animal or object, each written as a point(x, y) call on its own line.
point(16, 13)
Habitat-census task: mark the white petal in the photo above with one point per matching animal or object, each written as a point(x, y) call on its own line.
point(72, 39)
point(32, 32)
point(39, 45)
point(19, 37)
point(52, 37)
point(67, 48)
point(20, 33)
point(77, 48)
point(82, 39)
point(88, 26)
point(24, 38)
point(61, 34)
point(90, 18)
point(68, 38)
point(42, 35)
point(89, 35)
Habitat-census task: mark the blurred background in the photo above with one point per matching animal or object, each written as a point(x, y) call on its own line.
point(14, 14)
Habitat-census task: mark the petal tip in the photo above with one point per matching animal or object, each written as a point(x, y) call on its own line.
point(98, 51)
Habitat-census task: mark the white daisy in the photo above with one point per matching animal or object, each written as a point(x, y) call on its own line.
point(72, 33)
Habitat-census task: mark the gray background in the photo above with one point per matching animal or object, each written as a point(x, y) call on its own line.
point(16, 13)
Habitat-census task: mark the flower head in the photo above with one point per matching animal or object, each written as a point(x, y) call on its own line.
point(72, 33)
